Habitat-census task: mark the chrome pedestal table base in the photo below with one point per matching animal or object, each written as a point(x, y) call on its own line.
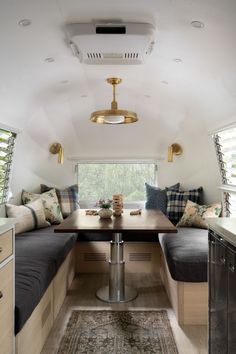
point(116, 291)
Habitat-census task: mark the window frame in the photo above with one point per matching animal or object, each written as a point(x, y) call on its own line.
point(225, 188)
point(7, 180)
point(127, 205)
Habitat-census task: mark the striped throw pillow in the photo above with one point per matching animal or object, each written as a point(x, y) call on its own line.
point(27, 217)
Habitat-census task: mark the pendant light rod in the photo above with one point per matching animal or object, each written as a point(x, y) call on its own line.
point(113, 115)
point(114, 81)
point(114, 103)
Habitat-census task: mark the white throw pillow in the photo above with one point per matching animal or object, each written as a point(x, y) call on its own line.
point(50, 202)
point(27, 217)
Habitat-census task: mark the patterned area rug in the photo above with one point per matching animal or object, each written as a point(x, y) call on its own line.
point(118, 332)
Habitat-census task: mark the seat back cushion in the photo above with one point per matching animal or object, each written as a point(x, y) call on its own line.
point(68, 198)
point(157, 197)
point(176, 202)
point(196, 215)
point(51, 205)
point(27, 217)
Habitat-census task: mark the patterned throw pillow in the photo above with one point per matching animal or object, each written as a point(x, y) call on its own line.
point(28, 217)
point(156, 197)
point(176, 202)
point(50, 202)
point(68, 198)
point(195, 215)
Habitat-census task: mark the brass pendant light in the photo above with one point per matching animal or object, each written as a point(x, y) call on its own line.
point(113, 115)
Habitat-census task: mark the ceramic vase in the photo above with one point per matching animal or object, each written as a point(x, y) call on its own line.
point(105, 213)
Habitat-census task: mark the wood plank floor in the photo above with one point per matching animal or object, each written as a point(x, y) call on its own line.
point(189, 339)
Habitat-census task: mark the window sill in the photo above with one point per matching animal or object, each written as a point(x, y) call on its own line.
point(227, 188)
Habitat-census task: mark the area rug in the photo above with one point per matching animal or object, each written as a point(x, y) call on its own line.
point(118, 332)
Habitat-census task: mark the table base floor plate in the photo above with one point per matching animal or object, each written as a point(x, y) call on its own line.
point(130, 294)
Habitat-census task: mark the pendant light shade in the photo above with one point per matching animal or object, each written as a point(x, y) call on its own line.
point(114, 115)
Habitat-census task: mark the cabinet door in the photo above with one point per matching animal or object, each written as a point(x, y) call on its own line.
point(231, 302)
point(217, 297)
point(6, 309)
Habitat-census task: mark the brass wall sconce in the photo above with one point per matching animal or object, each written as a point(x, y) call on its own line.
point(174, 149)
point(56, 148)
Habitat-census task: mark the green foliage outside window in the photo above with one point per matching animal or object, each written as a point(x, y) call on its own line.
point(102, 180)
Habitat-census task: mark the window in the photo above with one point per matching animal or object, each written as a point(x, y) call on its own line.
point(225, 144)
point(102, 180)
point(7, 141)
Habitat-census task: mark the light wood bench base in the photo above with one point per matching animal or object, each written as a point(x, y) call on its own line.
point(189, 300)
point(93, 257)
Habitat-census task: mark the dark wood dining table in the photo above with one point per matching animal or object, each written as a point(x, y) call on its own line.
point(149, 221)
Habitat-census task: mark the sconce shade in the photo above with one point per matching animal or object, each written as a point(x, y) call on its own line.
point(113, 115)
point(56, 148)
point(174, 149)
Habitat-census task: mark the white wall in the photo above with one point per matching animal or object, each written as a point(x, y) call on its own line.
point(33, 164)
point(197, 166)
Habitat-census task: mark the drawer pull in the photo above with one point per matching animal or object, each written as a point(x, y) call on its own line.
point(1, 249)
point(232, 267)
point(1, 294)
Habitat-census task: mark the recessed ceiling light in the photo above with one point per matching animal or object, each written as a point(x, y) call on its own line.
point(49, 60)
point(84, 96)
point(164, 82)
point(147, 96)
point(178, 60)
point(25, 22)
point(197, 24)
point(64, 82)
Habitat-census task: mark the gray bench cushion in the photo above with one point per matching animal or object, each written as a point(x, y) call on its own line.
point(38, 256)
point(186, 254)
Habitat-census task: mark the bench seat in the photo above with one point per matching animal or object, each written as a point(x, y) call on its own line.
point(186, 254)
point(38, 256)
point(183, 271)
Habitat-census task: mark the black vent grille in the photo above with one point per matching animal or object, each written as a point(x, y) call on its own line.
point(140, 257)
point(95, 257)
point(99, 56)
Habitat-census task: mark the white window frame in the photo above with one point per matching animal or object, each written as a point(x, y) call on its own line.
point(224, 187)
point(127, 205)
point(7, 188)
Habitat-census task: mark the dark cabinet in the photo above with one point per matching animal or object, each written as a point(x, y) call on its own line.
point(222, 295)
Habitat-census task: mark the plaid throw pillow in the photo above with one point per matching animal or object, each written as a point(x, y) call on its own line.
point(68, 198)
point(156, 197)
point(176, 202)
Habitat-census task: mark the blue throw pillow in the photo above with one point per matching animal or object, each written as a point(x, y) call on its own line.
point(157, 198)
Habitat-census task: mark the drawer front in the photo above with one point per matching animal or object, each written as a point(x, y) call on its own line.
point(6, 245)
point(6, 308)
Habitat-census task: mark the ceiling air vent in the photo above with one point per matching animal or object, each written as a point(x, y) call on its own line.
point(111, 43)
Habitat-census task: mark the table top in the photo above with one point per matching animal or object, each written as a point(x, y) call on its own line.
point(150, 221)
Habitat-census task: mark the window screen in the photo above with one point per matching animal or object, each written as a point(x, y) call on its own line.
point(102, 180)
point(7, 141)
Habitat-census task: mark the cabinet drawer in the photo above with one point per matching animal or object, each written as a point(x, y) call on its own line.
point(6, 308)
point(6, 245)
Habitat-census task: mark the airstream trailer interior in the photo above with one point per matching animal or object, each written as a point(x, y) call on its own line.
point(117, 177)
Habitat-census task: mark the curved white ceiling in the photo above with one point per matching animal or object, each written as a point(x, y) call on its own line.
point(54, 100)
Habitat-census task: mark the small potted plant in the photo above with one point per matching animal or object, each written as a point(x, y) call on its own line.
point(105, 210)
